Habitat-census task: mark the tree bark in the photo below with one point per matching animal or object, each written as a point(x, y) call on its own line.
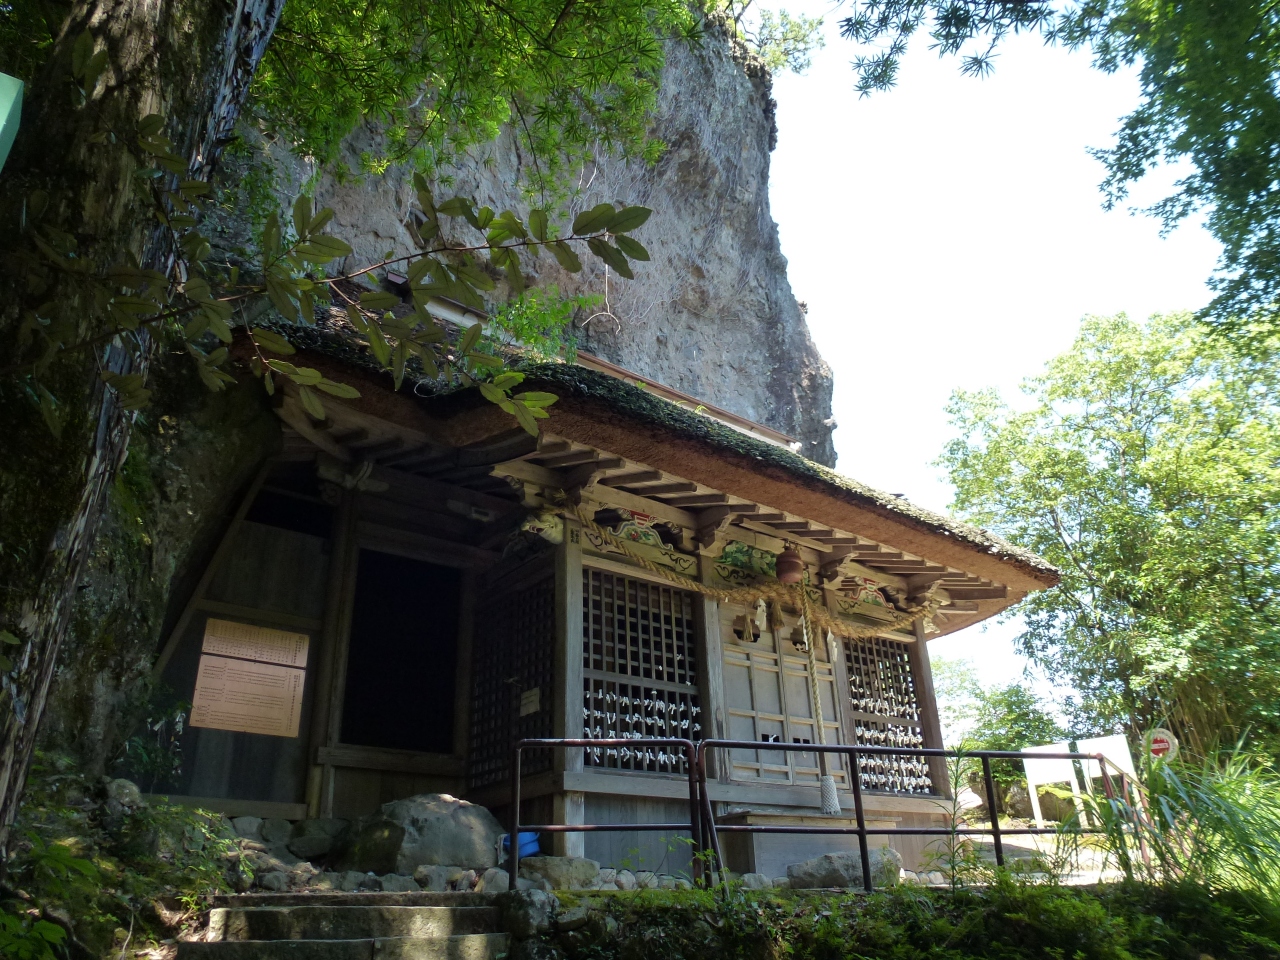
point(191, 61)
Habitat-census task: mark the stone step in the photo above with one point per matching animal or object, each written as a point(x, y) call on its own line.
point(474, 946)
point(347, 922)
point(335, 898)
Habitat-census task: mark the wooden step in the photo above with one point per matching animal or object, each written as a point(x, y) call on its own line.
point(474, 946)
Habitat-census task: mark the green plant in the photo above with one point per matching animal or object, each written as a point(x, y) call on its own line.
point(156, 756)
point(539, 323)
point(24, 936)
point(1214, 822)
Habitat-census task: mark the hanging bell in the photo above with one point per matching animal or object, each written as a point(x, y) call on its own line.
point(790, 567)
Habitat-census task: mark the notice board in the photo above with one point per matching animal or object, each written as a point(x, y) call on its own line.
point(250, 679)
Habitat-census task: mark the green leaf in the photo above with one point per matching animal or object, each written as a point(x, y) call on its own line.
point(537, 399)
point(282, 292)
point(302, 215)
point(457, 207)
point(378, 345)
point(151, 124)
point(81, 51)
point(357, 319)
point(311, 402)
point(611, 255)
point(50, 412)
point(379, 300)
point(515, 279)
point(8, 638)
point(268, 340)
point(194, 188)
point(484, 217)
point(271, 235)
point(419, 269)
point(595, 220)
point(321, 249)
point(628, 219)
point(566, 256)
point(470, 338)
point(526, 419)
point(632, 248)
point(346, 391)
point(221, 329)
point(491, 393)
point(538, 224)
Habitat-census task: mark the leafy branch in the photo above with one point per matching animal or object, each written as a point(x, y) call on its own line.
point(197, 302)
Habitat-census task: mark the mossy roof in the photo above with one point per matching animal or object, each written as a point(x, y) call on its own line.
point(633, 402)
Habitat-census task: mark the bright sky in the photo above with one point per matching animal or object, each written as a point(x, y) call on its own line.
point(950, 234)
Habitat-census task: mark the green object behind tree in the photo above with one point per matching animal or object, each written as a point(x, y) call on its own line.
point(10, 113)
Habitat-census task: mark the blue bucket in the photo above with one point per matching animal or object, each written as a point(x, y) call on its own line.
point(528, 844)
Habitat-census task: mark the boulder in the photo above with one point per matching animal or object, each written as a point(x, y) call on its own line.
point(845, 870)
point(434, 878)
point(248, 827)
point(276, 830)
point(494, 880)
point(309, 848)
point(432, 828)
point(125, 793)
point(394, 883)
point(755, 881)
point(274, 880)
point(563, 873)
point(625, 880)
point(525, 913)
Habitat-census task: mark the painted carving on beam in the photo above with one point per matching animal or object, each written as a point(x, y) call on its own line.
point(536, 532)
point(740, 563)
point(647, 536)
point(858, 595)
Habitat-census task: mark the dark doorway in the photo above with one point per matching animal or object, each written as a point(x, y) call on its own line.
point(403, 655)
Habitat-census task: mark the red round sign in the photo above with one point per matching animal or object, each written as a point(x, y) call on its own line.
point(1162, 743)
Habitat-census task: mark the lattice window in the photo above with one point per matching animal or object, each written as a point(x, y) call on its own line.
point(514, 655)
point(640, 677)
point(886, 712)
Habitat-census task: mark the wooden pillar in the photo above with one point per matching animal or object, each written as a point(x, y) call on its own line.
point(922, 673)
point(327, 723)
point(568, 807)
point(711, 664)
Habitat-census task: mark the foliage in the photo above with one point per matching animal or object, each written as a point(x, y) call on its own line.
point(1146, 466)
point(784, 41)
point(1215, 822)
point(956, 690)
point(1210, 96)
point(154, 756)
point(293, 258)
point(1010, 718)
point(442, 75)
point(541, 323)
point(1008, 919)
point(95, 866)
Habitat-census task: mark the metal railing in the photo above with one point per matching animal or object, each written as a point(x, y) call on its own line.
point(704, 830)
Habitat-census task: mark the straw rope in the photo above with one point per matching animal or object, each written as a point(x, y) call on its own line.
point(793, 594)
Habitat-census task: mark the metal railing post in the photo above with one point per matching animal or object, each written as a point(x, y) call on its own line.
point(695, 813)
point(513, 838)
point(858, 812)
point(991, 809)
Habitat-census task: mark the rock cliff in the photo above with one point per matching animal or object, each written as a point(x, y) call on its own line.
point(712, 314)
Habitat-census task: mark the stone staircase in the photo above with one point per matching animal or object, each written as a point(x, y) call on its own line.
point(351, 926)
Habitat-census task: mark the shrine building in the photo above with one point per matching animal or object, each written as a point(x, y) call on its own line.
point(415, 582)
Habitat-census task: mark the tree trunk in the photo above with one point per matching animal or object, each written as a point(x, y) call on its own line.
point(191, 61)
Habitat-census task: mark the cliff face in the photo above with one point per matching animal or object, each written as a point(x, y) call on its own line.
point(712, 314)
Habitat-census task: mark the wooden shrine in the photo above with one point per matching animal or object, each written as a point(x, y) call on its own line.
point(414, 582)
